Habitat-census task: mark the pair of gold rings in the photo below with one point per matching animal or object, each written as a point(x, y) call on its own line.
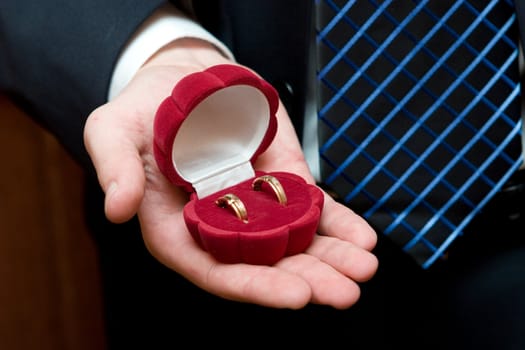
point(233, 202)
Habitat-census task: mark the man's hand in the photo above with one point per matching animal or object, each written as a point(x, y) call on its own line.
point(119, 137)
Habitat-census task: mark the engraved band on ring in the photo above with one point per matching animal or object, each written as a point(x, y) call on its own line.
point(234, 203)
point(276, 186)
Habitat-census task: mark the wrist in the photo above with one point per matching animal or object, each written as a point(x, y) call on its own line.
point(187, 52)
point(167, 28)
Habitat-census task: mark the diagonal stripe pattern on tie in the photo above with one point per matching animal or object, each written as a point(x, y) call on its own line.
point(419, 113)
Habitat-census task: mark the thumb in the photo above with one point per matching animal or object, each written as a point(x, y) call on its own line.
point(118, 165)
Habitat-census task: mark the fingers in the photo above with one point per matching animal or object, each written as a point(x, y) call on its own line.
point(350, 260)
point(328, 285)
point(337, 220)
point(117, 162)
point(333, 268)
point(327, 273)
point(292, 283)
point(168, 240)
point(263, 285)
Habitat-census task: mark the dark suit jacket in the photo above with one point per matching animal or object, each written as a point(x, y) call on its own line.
point(57, 57)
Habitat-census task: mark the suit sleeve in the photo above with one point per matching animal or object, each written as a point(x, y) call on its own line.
point(57, 57)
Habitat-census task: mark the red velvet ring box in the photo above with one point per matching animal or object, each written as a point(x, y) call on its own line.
point(207, 134)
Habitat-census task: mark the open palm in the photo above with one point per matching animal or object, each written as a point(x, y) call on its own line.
point(119, 137)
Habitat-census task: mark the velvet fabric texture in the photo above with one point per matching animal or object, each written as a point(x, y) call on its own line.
point(207, 134)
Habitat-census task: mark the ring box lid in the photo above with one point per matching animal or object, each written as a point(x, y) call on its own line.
point(212, 128)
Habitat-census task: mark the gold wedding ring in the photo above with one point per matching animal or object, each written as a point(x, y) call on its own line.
point(234, 203)
point(276, 186)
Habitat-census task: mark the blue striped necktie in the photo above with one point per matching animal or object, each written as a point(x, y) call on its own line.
point(419, 113)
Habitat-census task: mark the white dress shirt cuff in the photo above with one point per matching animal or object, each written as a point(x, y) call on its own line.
point(164, 26)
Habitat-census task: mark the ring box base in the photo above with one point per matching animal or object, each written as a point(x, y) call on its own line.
point(273, 230)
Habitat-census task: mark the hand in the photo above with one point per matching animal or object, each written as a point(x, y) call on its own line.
point(118, 137)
